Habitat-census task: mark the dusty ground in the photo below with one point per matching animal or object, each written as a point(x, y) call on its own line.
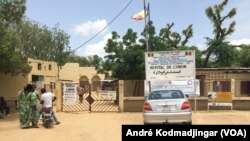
point(101, 126)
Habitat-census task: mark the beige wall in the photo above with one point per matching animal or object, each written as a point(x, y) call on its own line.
point(90, 72)
point(70, 71)
point(237, 87)
point(219, 75)
point(238, 78)
point(11, 85)
point(49, 75)
point(45, 68)
point(135, 104)
point(133, 88)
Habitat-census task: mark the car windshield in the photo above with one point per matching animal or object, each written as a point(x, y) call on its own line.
point(166, 94)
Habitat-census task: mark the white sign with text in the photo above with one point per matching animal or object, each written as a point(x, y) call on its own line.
point(69, 94)
point(107, 95)
point(170, 65)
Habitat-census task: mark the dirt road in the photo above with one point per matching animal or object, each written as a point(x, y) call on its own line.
point(85, 126)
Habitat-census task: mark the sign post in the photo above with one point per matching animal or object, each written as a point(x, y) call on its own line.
point(220, 99)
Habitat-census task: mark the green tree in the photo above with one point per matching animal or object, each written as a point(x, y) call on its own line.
point(126, 56)
point(60, 46)
point(43, 43)
point(12, 11)
point(83, 61)
point(11, 14)
point(22, 38)
point(244, 56)
point(218, 43)
point(95, 61)
point(167, 39)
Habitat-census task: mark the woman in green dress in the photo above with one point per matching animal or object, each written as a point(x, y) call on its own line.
point(27, 107)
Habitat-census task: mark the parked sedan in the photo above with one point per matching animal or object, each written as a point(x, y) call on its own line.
point(164, 106)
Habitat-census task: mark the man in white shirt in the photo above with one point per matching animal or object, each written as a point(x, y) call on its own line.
point(47, 99)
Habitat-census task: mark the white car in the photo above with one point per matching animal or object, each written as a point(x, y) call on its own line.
point(167, 106)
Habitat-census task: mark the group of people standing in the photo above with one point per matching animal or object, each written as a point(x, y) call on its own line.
point(27, 101)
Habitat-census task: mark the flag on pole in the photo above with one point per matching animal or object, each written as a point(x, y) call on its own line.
point(139, 16)
point(148, 13)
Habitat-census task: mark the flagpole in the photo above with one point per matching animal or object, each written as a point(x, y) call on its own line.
point(146, 24)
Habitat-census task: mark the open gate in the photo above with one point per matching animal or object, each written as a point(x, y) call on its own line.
point(100, 96)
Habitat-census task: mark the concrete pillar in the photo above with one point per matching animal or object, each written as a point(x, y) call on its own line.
point(58, 93)
point(233, 87)
point(208, 87)
point(121, 95)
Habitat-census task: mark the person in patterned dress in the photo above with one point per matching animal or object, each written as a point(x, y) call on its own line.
point(27, 107)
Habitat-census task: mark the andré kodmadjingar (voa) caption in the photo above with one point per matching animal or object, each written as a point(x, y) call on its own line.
point(222, 133)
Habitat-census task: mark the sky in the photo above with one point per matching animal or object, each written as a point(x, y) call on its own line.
point(83, 19)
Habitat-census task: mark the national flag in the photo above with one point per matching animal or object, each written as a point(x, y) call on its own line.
point(139, 16)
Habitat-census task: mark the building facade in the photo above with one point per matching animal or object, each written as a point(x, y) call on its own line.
point(46, 74)
point(234, 80)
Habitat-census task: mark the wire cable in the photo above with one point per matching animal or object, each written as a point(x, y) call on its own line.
point(105, 26)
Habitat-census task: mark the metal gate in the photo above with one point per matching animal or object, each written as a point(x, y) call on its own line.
point(100, 96)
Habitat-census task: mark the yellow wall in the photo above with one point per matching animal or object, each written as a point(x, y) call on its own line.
point(49, 75)
point(70, 72)
point(90, 72)
point(45, 67)
point(11, 85)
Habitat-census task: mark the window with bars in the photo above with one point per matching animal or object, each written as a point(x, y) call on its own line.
point(50, 67)
point(39, 66)
point(245, 87)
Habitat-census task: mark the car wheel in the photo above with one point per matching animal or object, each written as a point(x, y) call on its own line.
point(189, 123)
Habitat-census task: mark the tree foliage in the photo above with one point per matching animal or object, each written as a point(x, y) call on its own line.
point(244, 55)
point(218, 43)
point(167, 39)
point(22, 38)
point(94, 61)
point(41, 42)
point(11, 13)
point(126, 55)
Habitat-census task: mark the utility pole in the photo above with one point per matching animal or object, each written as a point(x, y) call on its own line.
point(146, 24)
